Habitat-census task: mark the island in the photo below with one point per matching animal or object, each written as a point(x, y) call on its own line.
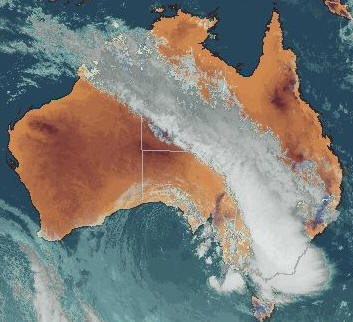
point(336, 7)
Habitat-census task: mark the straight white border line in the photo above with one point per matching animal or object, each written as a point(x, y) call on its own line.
point(171, 151)
point(149, 150)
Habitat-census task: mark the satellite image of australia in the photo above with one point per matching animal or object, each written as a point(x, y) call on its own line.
point(166, 161)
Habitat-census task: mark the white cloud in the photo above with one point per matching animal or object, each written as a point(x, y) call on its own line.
point(91, 316)
point(46, 300)
point(204, 247)
point(208, 260)
point(233, 281)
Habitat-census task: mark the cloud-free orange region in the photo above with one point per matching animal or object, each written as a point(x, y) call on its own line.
point(270, 96)
point(336, 7)
point(80, 158)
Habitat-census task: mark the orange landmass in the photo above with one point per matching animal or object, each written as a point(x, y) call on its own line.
point(336, 7)
point(262, 309)
point(80, 158)
point(313, 229)
point(270, 96)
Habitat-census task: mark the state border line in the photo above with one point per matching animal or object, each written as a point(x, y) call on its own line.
point(149, 150)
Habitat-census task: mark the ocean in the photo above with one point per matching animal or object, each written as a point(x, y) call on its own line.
point(142, 264)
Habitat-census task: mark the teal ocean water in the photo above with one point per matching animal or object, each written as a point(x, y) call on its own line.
point(142, 264)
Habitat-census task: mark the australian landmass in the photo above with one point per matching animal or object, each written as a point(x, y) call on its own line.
point(86, 155)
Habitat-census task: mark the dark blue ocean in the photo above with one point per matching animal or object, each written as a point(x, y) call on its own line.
point(141, 264)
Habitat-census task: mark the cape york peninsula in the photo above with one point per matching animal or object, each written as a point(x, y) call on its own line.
point(86, 155)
